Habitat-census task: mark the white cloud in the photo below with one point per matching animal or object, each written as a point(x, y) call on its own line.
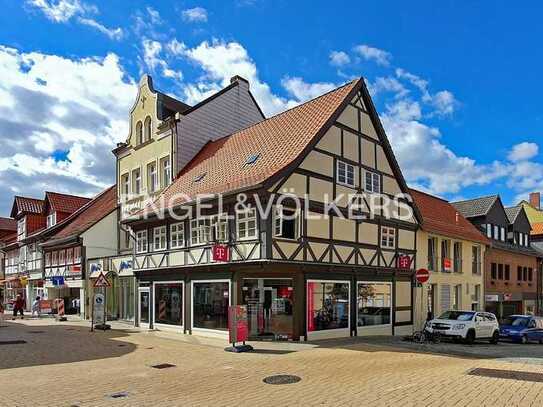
point(113, 33)
point(303, 91)
point(176, 48)
point(152, 58)
point(387, 84)
point(379, 56)
point(196, 14)
point(78, 106)
point(523, 151)
point(339, 58)
point(154, 15)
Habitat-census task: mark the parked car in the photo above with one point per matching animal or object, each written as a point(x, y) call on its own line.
point(522, 328)
point(466, 325)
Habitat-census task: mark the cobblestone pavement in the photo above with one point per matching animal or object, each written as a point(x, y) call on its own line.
point(63, 364)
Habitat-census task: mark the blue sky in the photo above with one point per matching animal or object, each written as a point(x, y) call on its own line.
point(457, 86)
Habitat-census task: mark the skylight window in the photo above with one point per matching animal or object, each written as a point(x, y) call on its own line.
point(200, 177)
point(252, 159)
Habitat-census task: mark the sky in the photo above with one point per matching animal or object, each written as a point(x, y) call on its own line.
point(457, 86)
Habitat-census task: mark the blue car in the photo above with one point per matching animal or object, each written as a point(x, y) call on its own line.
point(522, 329)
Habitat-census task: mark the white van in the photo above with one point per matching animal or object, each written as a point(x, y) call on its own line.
point(466, 325)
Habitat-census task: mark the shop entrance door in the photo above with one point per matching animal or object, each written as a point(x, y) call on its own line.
point(269, 308)
point(144, 307)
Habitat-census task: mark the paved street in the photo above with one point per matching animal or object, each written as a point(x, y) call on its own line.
point(63, 364)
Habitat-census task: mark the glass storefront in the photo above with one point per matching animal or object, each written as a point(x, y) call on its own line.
point(169, 304)
point(269, 308)
point(144, 306)
point(374, 304)
point(327, 305)
point(210, 301)
point(126, 291)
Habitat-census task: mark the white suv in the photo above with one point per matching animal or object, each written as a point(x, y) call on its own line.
point(466, 325)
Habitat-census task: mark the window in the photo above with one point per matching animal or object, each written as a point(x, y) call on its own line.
point(210, 301)
point(489, 231)
point(139, 133)
point(496, 232)
point(507, 272)
point(286, 223)
point(220, 228)
point(77, 254)
point(136, 181)
point(476, 259)
point(457, 295)
point(388, 237)
point(51, 219)
point(177, 235)
point(502, 234)
point(327, 305)
point(141, 241)
point(47, 259)
point(61, 259)
point(21, 228)
point(432, 254)
point(519, 273)
point(374, 304)
point(69, 256)
point(525, 274)
point(446, 255)
point(246, 225)
point(530, 274)
point(169, 303)
point(54, 258)
point(159, 238)
point(165, 172)
point(345, 173)
point(151, 177)
point(373, 182)
point(201, 231)
point(125, 186)
point(147, 128)
point(457, 248)
point(500, 271)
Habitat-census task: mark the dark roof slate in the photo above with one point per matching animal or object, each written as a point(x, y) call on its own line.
point(472, 208)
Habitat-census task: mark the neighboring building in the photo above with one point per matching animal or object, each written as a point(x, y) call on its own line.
point(164, 135)
point(452, 250)
point(90, 231)
point(532, 207)
point(511, 265)
point(8, 234)
point(301, 274)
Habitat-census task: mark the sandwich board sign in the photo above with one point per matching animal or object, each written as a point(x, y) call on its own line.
point(102, 281)
point(99, 309)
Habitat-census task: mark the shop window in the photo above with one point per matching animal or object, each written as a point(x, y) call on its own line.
point(375, 304)
point(388, 237)
point(286, 223)
point(136, 181)
point(373, 182)
point(210, 301)
point(177, 235)
point(169, 303)
point(345, 173)
point(165, 172)
point(77, 254)
point(141, 241)
point(246, 225)
point(159, 238)
point(327, 305)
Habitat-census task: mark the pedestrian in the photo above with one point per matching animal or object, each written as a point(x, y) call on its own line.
point(36, 307)
point(19, 306)
point(1, 313)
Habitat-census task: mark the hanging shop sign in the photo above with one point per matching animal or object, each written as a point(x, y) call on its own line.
point(220, 252)
point(404, 261)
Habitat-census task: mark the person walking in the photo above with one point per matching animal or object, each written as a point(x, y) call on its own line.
point(36, 307)
point(18, 307)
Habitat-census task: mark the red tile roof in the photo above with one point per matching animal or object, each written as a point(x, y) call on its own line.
point(440, 217)
point(8, 224)
point(23, 204)
point(537, 228)
point(64, 203)
point(278, 141)
point(95, 210)
point(9, 239)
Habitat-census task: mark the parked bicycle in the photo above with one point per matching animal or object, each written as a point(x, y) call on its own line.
point(426, 336)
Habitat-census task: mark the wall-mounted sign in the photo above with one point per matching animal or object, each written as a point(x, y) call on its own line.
point(125, 265)
point(95, 267)
point(507, 296)
point(447, 264)
point(57, 280)
point(220, 252)
point(404, 261)
point(76, 268)
point(492, 298)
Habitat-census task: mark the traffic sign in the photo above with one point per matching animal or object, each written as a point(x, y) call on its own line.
point(101, 281)
point(422, 275)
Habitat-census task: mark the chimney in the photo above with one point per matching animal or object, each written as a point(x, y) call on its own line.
point(535, 200)
point(457, 218)
point(241, 81)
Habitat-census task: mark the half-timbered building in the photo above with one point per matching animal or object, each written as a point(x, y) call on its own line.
point(300, 217)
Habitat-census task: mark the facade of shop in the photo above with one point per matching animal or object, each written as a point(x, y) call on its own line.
point(512, 279)
point(453, 251)
point(303, 272)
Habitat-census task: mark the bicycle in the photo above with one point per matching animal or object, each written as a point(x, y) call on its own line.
point(425, 336)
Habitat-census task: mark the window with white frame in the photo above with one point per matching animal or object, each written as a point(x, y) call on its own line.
point(77, 254)
point(159, 238)
point(220, 228)
point(200, 231)
point(373, 182)
point(345, 173)
point(136, 181)
point(502, 234)
point(21, 228)
point(141, 241)
point(489, 231)
point(125, 185)
point(165, 171)
point(147, 129)
point(388, 237)
point(151, 177)
point(51, 219)
point(496, 232)
point(286, 223)
point(177, 235)
point(61, 257)
point(246, 225)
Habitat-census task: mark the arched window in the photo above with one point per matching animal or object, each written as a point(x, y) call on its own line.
point(147, 128)
point(139, 133)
